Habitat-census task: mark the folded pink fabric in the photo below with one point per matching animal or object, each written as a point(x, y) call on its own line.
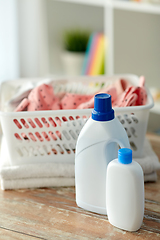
point(40, 98)
point(72, 101)
point(133, 96)
point(43, 98)
point(122, 92)
point(90, 104)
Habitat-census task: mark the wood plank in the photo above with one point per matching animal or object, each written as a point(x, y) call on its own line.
point(155, 142)
point(52, 213)
point(10, 235)
point(152, 189)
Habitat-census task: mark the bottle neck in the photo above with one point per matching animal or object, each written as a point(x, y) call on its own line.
point(100, 116)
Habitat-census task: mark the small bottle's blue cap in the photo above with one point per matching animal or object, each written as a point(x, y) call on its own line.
point(102, 107)
point(125, 155)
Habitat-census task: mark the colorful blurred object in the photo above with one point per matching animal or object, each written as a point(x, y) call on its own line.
point(94, 60)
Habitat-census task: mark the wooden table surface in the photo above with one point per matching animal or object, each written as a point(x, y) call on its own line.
point(52, 213)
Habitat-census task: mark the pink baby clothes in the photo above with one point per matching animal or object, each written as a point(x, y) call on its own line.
point(43, 98)
point(115, 89)
point(90, 104)
point(122, 92)
point(40, 98)
point(121, 85)
point(72, 101)
point(133, 96)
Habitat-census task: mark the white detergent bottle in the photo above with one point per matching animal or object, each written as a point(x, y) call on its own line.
point(125, 192)
point(96, 146)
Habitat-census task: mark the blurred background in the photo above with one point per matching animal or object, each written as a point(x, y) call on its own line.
point(35, 39)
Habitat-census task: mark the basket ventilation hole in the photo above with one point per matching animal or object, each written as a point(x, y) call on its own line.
point(77, 131)
point(24, 123)
point(128, 120)
point(73, 134)
point(81, 122)
point(45, 136)
point(31, 123)
point(60, 149)
point(45, 122)
point(54, 151)
point(33, 152)
point(71, 118)
point(38, 122)
point(47, 150)
point(72, 147)
point(58, 120)
point(52, 122)
point(59, 135)
point(41, 151)
point(74, 123)
point(53, 136)
point(133, 146)
point(19, 152)
point(17, 123)
point(25, 151)
point(39, 136)
point(25, 137)
point(135, 119)
point(67, 148)
point(66, 135)
point(128, 133)
point(64, 119)
point(122, 121)
point(133, 131)
point(18, 137)
point(32, 137)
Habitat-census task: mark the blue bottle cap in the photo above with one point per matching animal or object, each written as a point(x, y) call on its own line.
point(102, 107)
point(125, 155)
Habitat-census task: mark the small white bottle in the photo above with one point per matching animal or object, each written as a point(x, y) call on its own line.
point(125, 192)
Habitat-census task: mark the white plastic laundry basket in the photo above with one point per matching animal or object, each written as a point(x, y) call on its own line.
point(50, 136)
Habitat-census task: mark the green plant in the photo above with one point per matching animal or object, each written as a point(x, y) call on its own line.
point(76, 40)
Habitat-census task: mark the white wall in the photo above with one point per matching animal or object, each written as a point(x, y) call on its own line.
point(33, 38)
point(23, 39)
point(137, 37)
point(62, 16)
point(9, 59)
point(41, 24)
point(137, 45)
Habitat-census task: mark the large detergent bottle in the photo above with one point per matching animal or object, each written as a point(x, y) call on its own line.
point(97, 145)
